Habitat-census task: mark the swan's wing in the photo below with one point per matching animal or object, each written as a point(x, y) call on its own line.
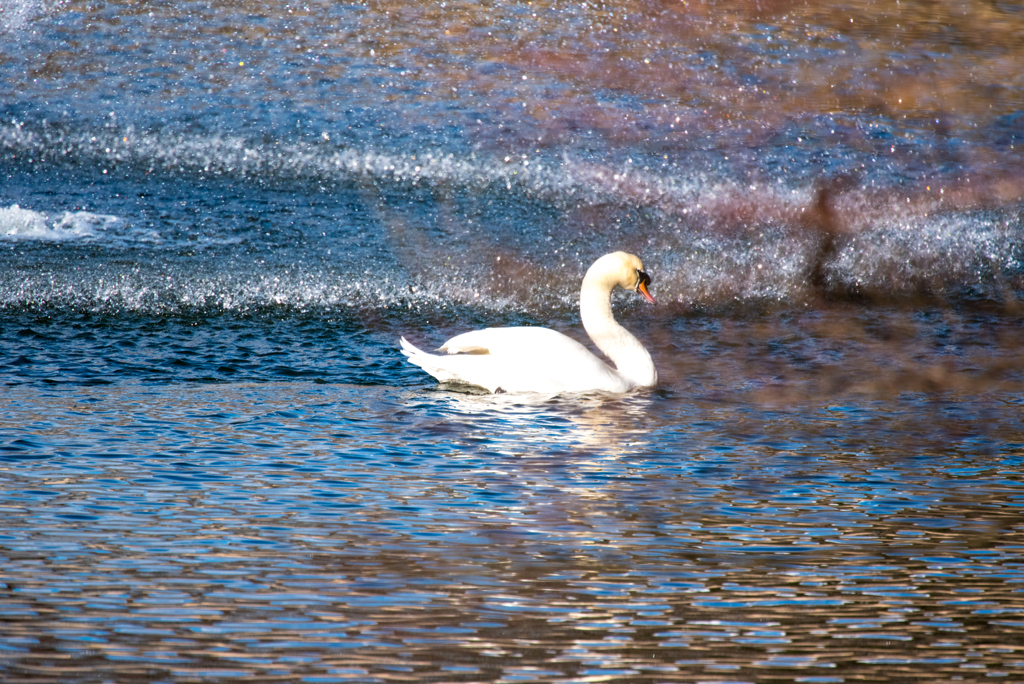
point(521, 359)
point(512, 342)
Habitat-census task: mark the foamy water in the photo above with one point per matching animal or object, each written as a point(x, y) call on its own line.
point(712, 240)
point(17, 15)
point(24, 224)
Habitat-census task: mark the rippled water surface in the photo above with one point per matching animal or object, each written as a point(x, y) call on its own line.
point(217, 219)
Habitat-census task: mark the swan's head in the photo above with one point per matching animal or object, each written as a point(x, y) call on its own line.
point(620, 269)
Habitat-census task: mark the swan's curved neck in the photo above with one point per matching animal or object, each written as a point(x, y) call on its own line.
point(626, 352)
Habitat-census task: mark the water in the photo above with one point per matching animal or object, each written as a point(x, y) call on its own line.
point(216, 221)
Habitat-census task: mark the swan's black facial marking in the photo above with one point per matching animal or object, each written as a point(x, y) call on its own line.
point(642, 281)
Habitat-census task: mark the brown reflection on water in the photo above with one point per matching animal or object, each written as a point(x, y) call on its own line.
point(743, 66)
point(913, 59)
point(839, 352)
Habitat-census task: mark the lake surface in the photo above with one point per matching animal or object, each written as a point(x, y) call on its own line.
point(217, 219)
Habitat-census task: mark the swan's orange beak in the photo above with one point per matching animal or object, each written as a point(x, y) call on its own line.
point(641, 286)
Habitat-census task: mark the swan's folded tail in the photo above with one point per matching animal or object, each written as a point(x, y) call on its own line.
point(428, 362)
point(415, 354)
point(408, 348)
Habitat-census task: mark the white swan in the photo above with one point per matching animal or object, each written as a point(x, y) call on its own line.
point(530, 359)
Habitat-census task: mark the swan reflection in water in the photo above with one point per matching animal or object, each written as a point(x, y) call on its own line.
point(588, 430)
point(557, 470)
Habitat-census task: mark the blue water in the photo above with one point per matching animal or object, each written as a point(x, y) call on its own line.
point(216, 221)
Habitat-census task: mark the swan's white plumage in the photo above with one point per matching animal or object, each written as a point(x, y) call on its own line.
point(532, 359)
point(518, 360)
